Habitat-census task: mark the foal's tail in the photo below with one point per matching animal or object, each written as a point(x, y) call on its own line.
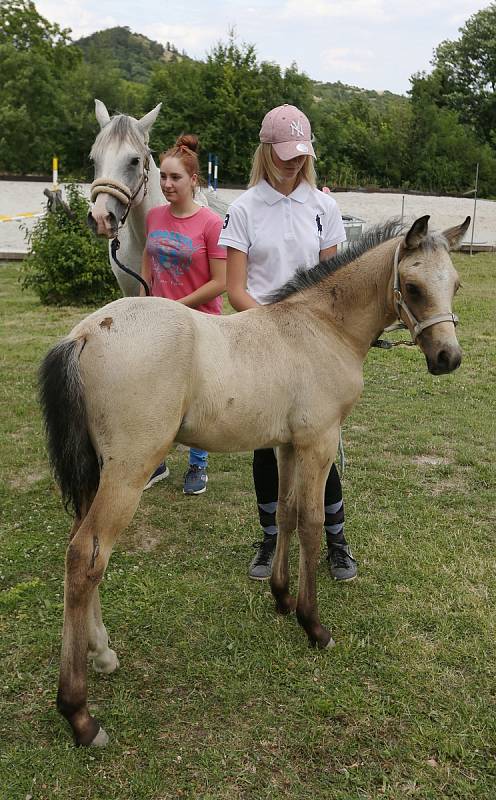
point(72, 456)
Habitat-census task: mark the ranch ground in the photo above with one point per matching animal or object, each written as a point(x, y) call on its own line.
point(217, 697)
point(18, 197)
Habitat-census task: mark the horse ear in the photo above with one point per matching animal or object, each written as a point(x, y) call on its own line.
point(102, 115)
point(417, 233)
point(147, 121)
point(455, 235)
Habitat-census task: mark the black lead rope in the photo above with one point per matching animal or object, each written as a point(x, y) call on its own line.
point(113, 249)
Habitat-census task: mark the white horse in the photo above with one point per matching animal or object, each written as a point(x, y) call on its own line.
point(126, 187)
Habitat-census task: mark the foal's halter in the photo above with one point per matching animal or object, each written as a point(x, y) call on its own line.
point(120, 191)
point(125, 196)
point(414, 326)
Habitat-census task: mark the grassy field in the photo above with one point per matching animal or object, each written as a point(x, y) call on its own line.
point(217, 697)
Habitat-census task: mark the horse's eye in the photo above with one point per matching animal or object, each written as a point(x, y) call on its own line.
point(413, 290)
point(135, 161)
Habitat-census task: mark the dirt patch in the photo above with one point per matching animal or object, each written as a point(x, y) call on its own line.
point(430, 461)
point(24, 480)
point(144, 537)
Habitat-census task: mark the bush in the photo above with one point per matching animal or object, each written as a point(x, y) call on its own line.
point(67, 264)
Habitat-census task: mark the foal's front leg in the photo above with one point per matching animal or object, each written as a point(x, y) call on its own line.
point(286, 524)
point(104, 659)
point(312, 469)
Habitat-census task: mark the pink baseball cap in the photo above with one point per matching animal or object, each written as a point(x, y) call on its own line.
point(288, 130)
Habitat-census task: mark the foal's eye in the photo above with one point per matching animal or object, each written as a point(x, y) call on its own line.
point(135, 161)
point(413, 290)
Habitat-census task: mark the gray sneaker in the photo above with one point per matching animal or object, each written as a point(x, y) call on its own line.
point(195, 480)
point(342, 565)
point(261, 566)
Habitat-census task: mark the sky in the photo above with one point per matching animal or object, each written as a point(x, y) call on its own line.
point(373, 44)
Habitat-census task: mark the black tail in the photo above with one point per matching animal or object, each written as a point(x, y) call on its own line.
point(70, 450)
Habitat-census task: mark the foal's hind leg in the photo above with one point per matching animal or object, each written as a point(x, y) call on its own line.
point(86, 560)
point(312, 470)
point(286, 524)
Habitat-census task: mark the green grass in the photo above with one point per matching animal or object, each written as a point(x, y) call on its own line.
point(217, 697)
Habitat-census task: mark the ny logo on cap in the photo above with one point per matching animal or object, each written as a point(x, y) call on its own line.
point(297, 128)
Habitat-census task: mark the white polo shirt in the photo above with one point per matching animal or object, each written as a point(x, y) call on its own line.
point(280, 234)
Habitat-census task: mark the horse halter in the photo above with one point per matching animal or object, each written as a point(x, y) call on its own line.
point(125, 196)
point(120, 191)
point(414, 326)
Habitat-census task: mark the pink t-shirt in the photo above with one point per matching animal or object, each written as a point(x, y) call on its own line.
point(179, 249)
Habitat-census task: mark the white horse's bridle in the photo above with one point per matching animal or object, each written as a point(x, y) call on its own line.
point(414, 326)
point(120, 191)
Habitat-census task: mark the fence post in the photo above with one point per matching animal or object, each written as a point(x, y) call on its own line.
point(475, 206)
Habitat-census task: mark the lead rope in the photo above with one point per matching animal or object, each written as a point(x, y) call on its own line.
point(113, 249)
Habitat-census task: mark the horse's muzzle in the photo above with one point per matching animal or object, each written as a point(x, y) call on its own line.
point(447, 359)
point(106, 226)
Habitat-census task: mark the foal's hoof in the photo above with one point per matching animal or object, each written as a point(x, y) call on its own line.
point(285, 605)
point(100, 740)
point(330, 643)
point(106, 662)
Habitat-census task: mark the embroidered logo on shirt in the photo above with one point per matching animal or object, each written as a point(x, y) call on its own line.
point(296, 128)
point(319, 224)
point(226, 222)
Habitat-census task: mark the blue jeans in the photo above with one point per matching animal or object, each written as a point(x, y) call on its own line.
point(199, 458)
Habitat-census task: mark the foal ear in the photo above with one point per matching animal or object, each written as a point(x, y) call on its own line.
point(417, 233)
point(102, 115)
point(455, 235)
point(147, 121)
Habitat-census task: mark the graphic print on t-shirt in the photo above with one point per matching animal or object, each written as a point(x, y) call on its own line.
point(171, 251)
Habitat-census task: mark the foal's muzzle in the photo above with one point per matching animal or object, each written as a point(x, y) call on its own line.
point(446, 359)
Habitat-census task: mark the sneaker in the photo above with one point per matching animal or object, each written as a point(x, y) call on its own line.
point(261, 566)
point(160, 473)
point(342, 565)
point(195, 480)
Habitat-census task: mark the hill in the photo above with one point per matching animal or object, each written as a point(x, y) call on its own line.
point(337, 92)
point(134, 54)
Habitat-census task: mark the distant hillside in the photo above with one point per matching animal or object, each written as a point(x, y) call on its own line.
point(134, 54)
point(341, 91)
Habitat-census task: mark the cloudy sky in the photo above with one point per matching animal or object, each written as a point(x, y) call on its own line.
point(375, 44)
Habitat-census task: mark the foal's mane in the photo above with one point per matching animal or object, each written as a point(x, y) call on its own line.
point(306, 278)
point(120, 129)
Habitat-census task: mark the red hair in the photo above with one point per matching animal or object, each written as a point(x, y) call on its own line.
point(185, 149)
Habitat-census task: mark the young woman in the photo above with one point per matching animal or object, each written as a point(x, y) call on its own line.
point(281, 223)
point(183, 261)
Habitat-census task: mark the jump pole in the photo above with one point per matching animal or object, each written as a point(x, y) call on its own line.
point(209, 176)
point(216, 171)
point(55, 174)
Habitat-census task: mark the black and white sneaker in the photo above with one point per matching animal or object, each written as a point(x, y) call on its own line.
point(342, 565)
point(261, 566)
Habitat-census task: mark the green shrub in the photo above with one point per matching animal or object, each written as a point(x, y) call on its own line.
point(67, 264)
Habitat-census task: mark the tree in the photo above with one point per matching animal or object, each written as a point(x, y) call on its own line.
point(35, 56)
point(464, 75)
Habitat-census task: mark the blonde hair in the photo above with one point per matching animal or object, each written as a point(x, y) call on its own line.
point(263, 167)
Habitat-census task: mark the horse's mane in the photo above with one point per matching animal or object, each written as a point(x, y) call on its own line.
point(120, 129)
point(306, 278)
